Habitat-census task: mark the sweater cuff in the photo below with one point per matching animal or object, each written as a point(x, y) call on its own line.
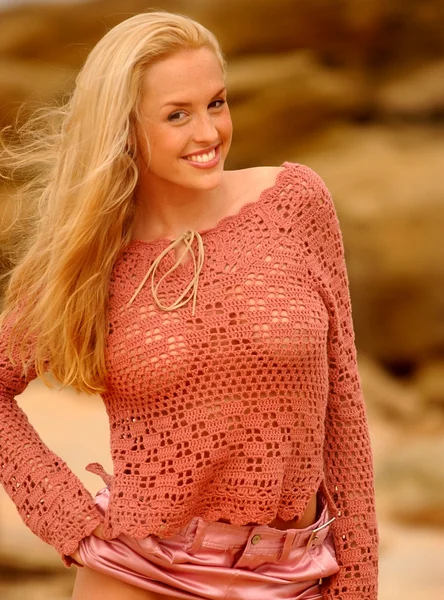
point(66, 549)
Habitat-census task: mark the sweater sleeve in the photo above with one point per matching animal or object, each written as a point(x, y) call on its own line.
point(49, 497)
point(348, 461)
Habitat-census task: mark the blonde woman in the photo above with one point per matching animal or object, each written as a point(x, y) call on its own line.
point(210, 309)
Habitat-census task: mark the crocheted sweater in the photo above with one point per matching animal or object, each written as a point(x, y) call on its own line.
point(240, 412)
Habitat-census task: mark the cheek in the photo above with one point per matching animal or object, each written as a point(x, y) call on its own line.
point(144, 138)
point(162, 141)
point(226, 125)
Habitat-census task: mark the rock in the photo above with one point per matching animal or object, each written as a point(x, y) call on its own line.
point(388, 188)
point(429, 381)
point(22, 29)
point(411, 482)
point(29, 81)
point(417, 93)
point(374, 34)
point(276, 98)
point(257, 26)
point(25, 585)
point(410, 566)
point(387, 398)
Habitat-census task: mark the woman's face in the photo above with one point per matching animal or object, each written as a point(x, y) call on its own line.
point(186, 121)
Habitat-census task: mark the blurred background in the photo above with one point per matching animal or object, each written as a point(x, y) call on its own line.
point(355, 90)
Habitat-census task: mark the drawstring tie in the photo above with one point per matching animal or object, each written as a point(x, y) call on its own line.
point(191, 290)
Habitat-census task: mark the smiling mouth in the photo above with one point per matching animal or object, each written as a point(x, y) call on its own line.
point(203, 158)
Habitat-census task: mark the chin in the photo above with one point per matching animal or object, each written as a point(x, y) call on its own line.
point(209, 183)
point(204, 180)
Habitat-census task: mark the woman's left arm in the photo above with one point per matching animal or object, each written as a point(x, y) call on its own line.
point(348, 461)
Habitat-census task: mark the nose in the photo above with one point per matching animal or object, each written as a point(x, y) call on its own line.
point(205, 129)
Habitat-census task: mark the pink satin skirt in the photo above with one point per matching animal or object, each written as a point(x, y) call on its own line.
point(219, 561)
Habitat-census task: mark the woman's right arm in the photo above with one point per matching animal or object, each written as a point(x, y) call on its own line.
point(49, 497)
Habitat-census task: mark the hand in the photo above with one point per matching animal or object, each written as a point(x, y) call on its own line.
point(98, 532)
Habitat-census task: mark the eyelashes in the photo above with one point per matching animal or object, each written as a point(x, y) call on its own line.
point(178, 115)
point(220, 101)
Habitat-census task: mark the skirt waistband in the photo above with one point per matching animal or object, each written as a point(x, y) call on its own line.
point(201, 533)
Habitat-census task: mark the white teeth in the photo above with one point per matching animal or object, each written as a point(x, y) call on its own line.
point(203, 158)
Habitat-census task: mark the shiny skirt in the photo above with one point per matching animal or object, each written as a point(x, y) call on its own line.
point(219, 561)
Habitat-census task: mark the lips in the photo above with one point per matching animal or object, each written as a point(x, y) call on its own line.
point(204, 158)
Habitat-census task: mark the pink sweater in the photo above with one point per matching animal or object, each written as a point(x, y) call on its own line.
point(239, 412)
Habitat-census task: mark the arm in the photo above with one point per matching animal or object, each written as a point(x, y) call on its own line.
point(50, 498)
point(348, 462)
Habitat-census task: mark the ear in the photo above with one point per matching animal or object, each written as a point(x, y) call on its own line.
point(131, 144)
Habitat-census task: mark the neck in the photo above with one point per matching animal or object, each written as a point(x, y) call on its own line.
point(166, 211)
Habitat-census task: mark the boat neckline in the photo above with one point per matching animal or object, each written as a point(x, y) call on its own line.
point(228, 219)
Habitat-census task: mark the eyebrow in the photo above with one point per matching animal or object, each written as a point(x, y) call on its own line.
point(183, 104)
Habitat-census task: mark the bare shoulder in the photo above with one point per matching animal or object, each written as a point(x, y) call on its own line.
point(260, 177)
point(250, 182)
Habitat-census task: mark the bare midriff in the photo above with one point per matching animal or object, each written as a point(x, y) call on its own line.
point(308, 518)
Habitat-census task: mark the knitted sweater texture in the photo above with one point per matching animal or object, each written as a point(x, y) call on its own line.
point(241, 411)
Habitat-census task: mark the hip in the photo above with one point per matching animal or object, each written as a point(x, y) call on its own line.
point(220, 561)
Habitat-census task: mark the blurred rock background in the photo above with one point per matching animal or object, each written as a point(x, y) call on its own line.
point(354, 89)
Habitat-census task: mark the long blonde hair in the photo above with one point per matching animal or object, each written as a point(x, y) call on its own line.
point(83, 175)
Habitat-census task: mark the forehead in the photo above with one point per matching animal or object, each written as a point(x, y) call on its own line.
point(187, 70)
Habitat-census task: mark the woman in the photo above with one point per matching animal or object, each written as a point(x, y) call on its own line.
point(210, 309)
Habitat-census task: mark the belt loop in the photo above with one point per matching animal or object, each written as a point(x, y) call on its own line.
point(288, 544)
point(199, 533)
point(314, 537)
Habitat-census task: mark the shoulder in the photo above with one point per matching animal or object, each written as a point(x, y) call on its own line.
point(310, 195)
point(310, 210)
point(263, 177)
point(293, 186)
point(291, 175)
point(252, 180)
point(305, 178)
point(304, 188)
